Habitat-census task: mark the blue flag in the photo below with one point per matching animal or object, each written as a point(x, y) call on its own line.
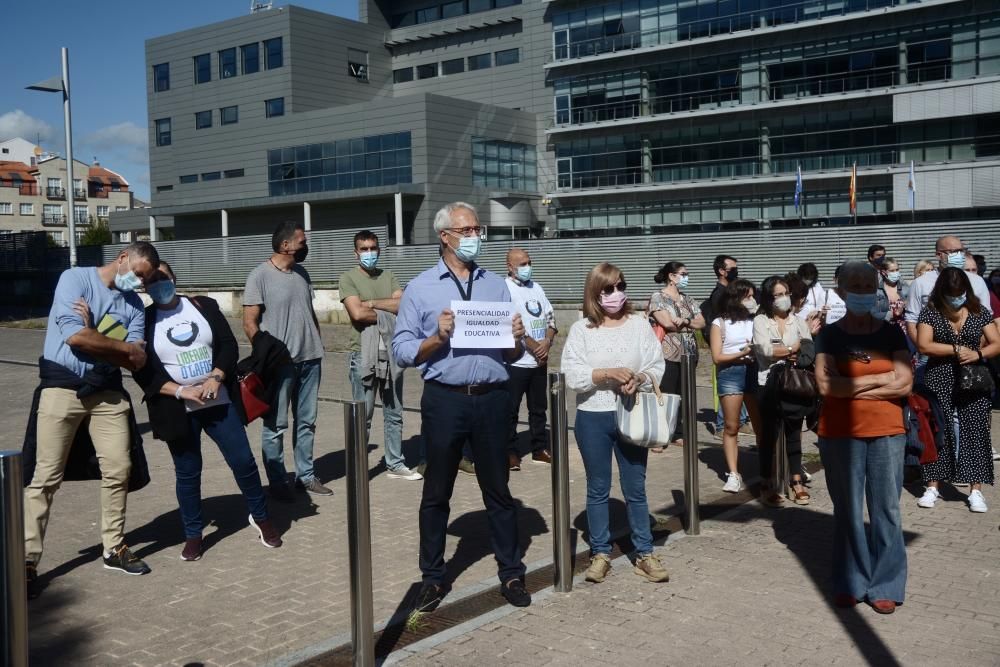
point(798, 187)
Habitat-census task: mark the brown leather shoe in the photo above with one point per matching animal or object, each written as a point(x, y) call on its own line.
point(844, 601)
point(883, 606)
point(541, 456)
point(513, 461)
point(267, 533)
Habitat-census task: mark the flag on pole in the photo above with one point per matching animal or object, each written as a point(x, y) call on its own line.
point(854, 189)
point(912, 187)
point(798, 187)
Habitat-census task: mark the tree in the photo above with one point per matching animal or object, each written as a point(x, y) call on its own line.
point(99, 233)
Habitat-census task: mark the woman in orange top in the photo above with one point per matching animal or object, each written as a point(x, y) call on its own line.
point(863, 372)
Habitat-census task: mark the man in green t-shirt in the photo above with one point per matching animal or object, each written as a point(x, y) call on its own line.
point(365, 290)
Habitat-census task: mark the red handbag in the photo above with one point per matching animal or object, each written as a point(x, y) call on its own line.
point(254, 396)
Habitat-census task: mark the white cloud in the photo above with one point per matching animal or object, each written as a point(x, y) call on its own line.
point(123, 141)
point(19, 124)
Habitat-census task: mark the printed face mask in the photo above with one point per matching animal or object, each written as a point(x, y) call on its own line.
point(127, 282)
point(162, 292)
point(956, 301)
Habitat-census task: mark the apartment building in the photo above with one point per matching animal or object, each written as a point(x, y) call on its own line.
point(579, 118)
point(33, 194)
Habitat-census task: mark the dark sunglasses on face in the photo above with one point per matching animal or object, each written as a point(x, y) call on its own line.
point(610, 289)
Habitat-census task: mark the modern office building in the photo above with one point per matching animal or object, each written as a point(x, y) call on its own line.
point(578, 118)
point(33, 192)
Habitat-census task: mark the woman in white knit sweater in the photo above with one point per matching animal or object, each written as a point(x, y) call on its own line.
point(612, 351)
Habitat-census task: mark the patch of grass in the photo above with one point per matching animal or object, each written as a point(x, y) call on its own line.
point(33, 323)
point(415, 621)
point(810, 457)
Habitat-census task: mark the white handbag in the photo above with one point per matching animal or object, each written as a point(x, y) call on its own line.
point(647, 419)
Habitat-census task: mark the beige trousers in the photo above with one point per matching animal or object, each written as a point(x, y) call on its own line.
point(60, 413)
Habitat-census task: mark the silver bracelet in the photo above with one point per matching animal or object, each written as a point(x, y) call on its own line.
point(177, 394)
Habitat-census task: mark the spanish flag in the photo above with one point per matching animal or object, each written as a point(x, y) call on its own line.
point(854, 189)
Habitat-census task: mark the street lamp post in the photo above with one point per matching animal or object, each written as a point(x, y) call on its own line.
point(57, 85)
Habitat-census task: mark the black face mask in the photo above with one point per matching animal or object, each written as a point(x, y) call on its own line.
point(300, 254)
point(732, 274)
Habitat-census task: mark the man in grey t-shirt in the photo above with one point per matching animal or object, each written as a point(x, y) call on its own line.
point(278, 299)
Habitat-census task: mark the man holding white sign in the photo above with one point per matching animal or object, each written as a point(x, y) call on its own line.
point(465, 395)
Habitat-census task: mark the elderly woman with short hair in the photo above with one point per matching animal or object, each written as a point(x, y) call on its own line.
point(864, 375)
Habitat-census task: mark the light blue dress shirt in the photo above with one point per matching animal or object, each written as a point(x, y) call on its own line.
point(423, 300)
point(83, 282)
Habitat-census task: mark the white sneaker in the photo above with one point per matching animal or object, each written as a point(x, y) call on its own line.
point(402, 472)
point(929, 498)
point(734, 483)
point(976, 501)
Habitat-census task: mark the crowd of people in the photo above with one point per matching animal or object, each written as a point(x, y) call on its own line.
point(789, 354)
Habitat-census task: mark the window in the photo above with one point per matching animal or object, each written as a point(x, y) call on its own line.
point(250, 57)
point(103, 211)
point(233, 173)
point(428, 71)
point(202, 119)
point(27, 209)
point(347, 164)
point(480, 6)
point(451, 9)
point(211, 176)
point(227, 63)
point(274, 107)
point(428, 14)
point(456, 66)
point(503, 164)
point(164, 188)
point(57, 237)
point(163, 132)
point(80, 214)
point(482, 61)
point(357, 64)
point(6, 208)
point(161, 77)
point(228, 115)
point(189, 178)
point(402, 75)
point(272, 53)
point(52, 211)
point(203, 68)
point(116, 186)
point(508, 57)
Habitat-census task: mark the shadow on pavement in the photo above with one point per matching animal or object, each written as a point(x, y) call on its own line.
point(51, 642)
point(473, 532)
point(333, 466)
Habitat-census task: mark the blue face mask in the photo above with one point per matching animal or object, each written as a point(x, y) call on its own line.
point(682, 282)
point(524, 273)
point(162, 292)
point(368, 259)
point(860, 304)
point(955, 301)
point(468, 248)
point(128, 282)
point(893, 276)
point(956, 260)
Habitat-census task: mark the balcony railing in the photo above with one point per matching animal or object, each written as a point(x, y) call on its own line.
point(55, 192)
point(79, 194)
point(53, 219)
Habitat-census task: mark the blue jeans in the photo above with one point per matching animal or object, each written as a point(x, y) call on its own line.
point(298, 385)
point(223, 425)
point(867, 563)
point(597, 438)
point(392, 408)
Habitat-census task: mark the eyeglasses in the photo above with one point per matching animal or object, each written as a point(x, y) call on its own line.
point(682, 273)
point(946, 251)
point(467, 231)
point(620, 286)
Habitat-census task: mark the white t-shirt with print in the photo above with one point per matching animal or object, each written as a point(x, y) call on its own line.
point(182, 339)
point(536, 314)
point(735, 335)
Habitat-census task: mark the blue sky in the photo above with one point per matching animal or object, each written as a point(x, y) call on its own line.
point(107, 71)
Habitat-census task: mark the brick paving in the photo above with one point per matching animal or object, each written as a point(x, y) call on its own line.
point(243, 604)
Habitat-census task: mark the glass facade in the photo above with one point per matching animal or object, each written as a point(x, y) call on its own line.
point(345, 164)
point(504, 164)
point(446, 10)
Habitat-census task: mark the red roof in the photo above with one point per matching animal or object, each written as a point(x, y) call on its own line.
point(10, 170)
point(106, 176)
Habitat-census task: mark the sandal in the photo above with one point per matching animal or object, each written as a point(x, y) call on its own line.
point(770, 497)
point(800, 497)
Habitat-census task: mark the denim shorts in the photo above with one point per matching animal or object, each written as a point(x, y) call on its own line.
point(736, 379)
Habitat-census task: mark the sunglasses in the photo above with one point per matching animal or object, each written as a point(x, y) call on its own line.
point(610, 289)
point(860, 355)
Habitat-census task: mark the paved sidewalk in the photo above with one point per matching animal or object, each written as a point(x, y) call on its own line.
point(753, 590)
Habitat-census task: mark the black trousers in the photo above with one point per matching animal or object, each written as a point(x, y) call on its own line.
point(772, 420)
point(533, 382)
point(448, 420)
point(671, 384)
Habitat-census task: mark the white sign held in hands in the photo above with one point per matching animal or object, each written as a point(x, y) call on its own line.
point(482, 324)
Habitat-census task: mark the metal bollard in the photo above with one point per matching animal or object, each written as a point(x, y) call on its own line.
point(13, 587)
point(559, 446)
point(359, 534)
point(689, 412)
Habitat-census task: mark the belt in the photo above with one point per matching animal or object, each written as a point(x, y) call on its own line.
point(469, 389)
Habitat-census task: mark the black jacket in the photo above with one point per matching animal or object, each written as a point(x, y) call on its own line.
point(167, 416)
point(267, 355)
point(82, 462)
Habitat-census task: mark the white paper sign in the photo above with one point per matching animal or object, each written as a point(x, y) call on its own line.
point(482, 324)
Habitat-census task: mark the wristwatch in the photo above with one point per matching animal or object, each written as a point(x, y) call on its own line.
point(216, 377)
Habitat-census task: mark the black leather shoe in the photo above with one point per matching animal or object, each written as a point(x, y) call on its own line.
point(31, 578)
point(515, 593)
point(430, 597)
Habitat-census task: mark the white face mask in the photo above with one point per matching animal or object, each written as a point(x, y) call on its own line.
point(783, 303)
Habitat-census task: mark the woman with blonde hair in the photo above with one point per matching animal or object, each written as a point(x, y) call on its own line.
point(922, 267)
point(612, 352)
